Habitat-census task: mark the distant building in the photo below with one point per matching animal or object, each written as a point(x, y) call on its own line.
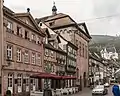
point(75, 33)
point(98, 69)
point(109, 53)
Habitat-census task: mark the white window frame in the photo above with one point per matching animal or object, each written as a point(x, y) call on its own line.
point(19, 79)
point(19, 55)
point(33, 58)
point(9, 52)
point(33, 84)
point(26, 57)
point(39, 59)
point(33, 36)
point(10, 82)
point(10, 25)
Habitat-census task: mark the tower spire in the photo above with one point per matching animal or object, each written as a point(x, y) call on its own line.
point(54, 9)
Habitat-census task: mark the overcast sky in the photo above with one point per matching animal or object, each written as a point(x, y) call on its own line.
point(79, 10)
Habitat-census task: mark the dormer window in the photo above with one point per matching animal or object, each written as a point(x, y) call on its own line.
point(51, 23)
point(40, 24)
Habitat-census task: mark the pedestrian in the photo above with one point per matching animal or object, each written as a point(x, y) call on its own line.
point(115, 90)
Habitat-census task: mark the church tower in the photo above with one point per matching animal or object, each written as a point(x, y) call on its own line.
point(54, 9)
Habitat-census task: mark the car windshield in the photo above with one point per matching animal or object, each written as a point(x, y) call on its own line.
point(99, 87)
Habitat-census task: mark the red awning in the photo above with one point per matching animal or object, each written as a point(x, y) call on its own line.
point(46, 75)
point(68, 77)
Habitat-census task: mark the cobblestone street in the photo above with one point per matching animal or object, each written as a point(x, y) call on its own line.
point(88, 92)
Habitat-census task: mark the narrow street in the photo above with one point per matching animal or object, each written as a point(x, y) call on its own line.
point(88, 92)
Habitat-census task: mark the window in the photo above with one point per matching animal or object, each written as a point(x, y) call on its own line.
point(27, 80)
point(19, 31)
point(86, 52)
point(26, 35)
point(76, 42)
point(38, 40)
point(80, 49)
point(33, 37)
point(40, 24)
point(33, 58)
point(51, 23)
point(52, 67)
point(83, 49)
point(46, 52)
point(52, 53)
point(26, 57)
point(69, 49)
point(10, 25)
point(9, 52)
point(64, 47)
point(39, 59)
point(10, 80)
point(18, 54)
point(19, 77)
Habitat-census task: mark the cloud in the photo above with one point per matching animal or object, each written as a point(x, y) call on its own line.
point(106, 7)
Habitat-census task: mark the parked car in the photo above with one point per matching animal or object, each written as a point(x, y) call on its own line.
point(99, 90)
point(106, 84)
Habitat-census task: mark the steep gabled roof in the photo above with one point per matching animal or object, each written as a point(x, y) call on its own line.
point(49, 18)
point(14, 16)
point(29, 16)
point(60, 21)
point(85, 27)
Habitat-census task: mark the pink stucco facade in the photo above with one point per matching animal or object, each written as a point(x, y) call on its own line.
point(31, 50)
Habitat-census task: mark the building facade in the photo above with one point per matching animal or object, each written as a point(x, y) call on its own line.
point(23, 52)
point(75, 33)
point(98, 70)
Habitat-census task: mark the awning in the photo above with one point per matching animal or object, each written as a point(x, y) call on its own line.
point(46, 75)
point(51, 76)
point(69, 77)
